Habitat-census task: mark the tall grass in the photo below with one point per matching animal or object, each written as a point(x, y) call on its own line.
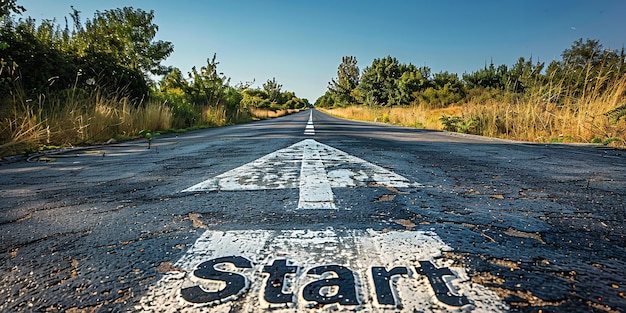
point(411, 116)
point(259, 113)
point(74, 117)
point(78, 116)
point(535, 116)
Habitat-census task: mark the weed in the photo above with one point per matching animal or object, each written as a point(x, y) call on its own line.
point(610, 140)
point(148, 134)
point(385, 118)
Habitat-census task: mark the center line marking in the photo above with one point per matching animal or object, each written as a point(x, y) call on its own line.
point(310, 129)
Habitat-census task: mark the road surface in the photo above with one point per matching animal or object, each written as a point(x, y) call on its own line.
point(310, 213)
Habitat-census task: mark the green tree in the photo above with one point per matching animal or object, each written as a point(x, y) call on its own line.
point(207, 86)
point(523, 75)
point(273, 90)
point(231, 102)
point(412, 81)
point(581, 54)
point(173, 80)
point(38, 64)
point(255, 98)
point(387, 82)
point(347, 80)
point(446, 89)
point(378, 82)
point(128, 35)
point(488, 77)
point(10, 6)
point(325, 101)
point(6, 8)
point(295, 103)
point(450, 81)
point(114, 52)
point(586, 67)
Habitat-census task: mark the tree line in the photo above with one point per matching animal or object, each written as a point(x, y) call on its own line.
point(584, 68)
point(116, 55)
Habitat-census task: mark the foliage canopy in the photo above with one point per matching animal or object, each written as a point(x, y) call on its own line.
point(585, 67)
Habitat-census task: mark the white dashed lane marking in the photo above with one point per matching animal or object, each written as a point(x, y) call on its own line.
point(310, 129)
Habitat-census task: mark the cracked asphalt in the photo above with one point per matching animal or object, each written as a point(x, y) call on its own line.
point(90, 230)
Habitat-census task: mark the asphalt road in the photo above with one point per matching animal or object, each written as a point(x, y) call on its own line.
point(303, 218)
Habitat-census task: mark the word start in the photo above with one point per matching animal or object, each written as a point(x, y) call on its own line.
point(336, 278)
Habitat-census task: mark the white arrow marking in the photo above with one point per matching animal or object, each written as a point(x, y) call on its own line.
point(313, 167)
point(315, 190)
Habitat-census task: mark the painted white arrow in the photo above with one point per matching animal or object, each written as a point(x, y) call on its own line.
point(313, 167)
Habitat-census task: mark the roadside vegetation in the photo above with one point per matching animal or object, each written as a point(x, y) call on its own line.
point(90, 81)
point(579, 98)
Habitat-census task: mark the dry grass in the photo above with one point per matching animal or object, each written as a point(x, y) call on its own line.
point(217, 116)
point(537, 120)
point(214, 116)
point(530, 118)
point(265, 113)
point(413, 116)
point(30, 124)
point(80, 117)
point(24, 130)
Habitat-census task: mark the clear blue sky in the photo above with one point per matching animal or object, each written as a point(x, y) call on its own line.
point(301, 42)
